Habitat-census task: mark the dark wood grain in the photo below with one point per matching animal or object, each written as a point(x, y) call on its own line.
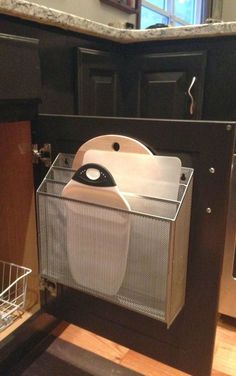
point(218, 97)
point(18, 110)
point(20, 74)
point(57, 51)
point(158, 89)
point(161, 83)
point(98, 82)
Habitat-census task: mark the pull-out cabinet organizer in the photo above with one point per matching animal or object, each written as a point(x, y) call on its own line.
point(136, 259)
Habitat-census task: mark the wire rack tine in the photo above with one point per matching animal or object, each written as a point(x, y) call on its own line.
point(13, 291)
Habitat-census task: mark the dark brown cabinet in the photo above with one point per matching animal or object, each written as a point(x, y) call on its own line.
point(163, 95)
point(98, 82)
point(161, 85)
point(20, 77)
point(170, 85)
point(19, 62)
point(188, 344)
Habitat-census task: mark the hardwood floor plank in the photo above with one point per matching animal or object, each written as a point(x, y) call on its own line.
point(148, 366)
point(92, 342)
point(114, 352)
point(218, 373)
point(224, 360)
point(225, 349)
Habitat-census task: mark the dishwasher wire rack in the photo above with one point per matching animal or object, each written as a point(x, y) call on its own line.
point(13, 279)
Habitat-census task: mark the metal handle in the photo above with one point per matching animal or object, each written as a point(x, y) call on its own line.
point(192, 104)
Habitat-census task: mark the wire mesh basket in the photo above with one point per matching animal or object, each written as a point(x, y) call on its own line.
point(13, 291)
point(82, 245)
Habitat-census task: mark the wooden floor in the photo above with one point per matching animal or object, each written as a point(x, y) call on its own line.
point(225, 348)
point(224, 359)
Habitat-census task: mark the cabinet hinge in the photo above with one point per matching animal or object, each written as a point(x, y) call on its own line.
point(50, 286)
point(42, 154)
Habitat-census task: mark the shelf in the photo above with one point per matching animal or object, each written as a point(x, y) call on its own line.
point(117, 4)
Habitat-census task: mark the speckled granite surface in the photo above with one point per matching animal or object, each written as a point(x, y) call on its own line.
point(38, 13)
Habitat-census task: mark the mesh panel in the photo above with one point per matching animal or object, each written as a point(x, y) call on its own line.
point(121, 256)
point(64, 160)
point(105, 251)
point(145, 282)
point(151, 206)
point(60, 174)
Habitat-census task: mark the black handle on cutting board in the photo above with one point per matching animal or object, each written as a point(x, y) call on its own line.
point(95, 175)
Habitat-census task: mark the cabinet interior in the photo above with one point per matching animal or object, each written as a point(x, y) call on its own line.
point(18, 241)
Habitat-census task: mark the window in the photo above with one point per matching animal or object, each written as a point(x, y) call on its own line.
point(170, 12)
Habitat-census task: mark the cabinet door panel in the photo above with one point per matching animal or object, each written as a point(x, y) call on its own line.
point(163, 95)
point(20, 74)
point(98, 87)
point(103, 89)
point(164, 81)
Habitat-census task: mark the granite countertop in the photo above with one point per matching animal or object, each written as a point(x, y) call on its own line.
point(48, 16)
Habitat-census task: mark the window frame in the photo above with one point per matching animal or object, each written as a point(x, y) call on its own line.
point(169, 12)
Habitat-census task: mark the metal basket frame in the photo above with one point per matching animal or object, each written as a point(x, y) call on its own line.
point(14, 280)
point(54, 256)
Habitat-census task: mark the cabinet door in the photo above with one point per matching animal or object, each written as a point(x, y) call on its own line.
point(20, 74)
point(98, 82)
point(171, 85)
point(188, 344)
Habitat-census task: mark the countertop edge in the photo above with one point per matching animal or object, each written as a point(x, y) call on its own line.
point(41, 14)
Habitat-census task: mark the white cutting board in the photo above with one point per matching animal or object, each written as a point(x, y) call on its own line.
point(108, 143)
point(109, 196)
point(143, 174)
point(97, 238)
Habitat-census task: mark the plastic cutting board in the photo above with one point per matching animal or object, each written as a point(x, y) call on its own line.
point(110, 142)
point(97, 238)
point(142, 174)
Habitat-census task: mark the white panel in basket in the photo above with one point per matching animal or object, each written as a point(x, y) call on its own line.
point(149, 175)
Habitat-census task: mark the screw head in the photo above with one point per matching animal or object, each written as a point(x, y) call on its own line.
point(212, 170)
point(228, 127)
point(208, 210)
